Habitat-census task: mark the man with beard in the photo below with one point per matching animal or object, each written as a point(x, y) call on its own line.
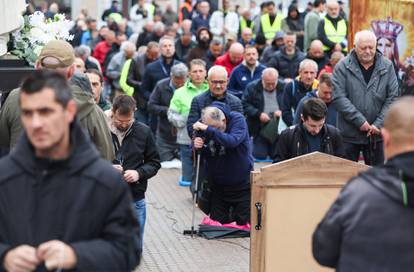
point(183, 45)
point(203, 37)
point(333, 30)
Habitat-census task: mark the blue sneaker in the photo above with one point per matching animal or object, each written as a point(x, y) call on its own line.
point(184, 183)
point(263, 160)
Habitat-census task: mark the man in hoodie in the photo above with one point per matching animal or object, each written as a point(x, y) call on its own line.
point(59, 56)
point(271, 49)
point(369, 226)
point(136, 156)
point(74, 213)
point(229, 160)
point(249, 70)
point(203, 37)
point(179, 110)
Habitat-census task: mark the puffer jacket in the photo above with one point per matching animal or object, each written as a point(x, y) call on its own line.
point(356, 101)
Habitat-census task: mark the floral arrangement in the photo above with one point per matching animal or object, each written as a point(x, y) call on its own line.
point(38, 31)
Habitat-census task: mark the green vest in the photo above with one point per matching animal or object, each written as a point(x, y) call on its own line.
point(269, 30)
point(335, 35)
point(123, 79)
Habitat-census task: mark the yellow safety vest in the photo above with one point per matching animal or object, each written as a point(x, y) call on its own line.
point(243, 24)
point(269, 30)
point(335, 35)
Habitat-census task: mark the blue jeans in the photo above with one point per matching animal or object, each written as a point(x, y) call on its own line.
point(186, 162)
point(141, 210)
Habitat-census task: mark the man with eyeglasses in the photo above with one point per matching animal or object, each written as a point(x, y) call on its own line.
point(136, 156)
point(217, 82)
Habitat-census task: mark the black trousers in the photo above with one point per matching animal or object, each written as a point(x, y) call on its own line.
point(373, 152)
point(230, 205)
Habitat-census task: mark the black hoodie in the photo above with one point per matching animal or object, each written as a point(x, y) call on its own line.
point(81, 201)
point(370, 225)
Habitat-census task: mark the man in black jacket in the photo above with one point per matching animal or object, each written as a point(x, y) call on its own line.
point(158, 105)
point(217, 81)
point(311, 135)
point(63, 206)
point(369, 226)
point(261, 102)
point(136, 155)
point(156, 71)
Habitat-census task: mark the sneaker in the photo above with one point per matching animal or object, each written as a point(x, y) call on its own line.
point(175, 163)
point(184, 183)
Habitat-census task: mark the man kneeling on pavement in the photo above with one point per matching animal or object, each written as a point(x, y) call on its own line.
point(224, 139)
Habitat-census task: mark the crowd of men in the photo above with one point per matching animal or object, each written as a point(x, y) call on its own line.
point(236, 85)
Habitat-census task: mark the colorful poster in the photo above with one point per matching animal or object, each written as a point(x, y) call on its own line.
point(392, 21)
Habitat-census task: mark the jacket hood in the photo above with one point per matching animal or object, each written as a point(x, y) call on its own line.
point(85, 102)
point(395, 179)
point(223, 107)
point(209, 33)
point(82, 154)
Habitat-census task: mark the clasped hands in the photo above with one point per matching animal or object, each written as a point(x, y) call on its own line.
point(54, 254)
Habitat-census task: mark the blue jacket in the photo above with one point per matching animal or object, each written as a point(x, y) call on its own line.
point(154, 72)
point(330, 117)
point(294, 91)
point(198, 22)
point(206, 99)
point(229, 153)
point(241, 76)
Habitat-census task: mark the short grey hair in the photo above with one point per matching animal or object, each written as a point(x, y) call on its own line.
point(159, 26)
point(218, 69)
point(213, 113)
point(165, 38)
point(270, 70)
point(307, 62)
point(216, 41)
point(179, 70)
point(128, 45)
point(82, 51)
point(365, 34)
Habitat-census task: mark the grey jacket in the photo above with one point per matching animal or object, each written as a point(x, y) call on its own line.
point(356, 101)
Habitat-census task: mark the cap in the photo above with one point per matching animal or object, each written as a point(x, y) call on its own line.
point(60, 50)
point(340, 2)
point(279, 35)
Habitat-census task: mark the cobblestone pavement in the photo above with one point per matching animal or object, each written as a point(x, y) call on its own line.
point(169, 210)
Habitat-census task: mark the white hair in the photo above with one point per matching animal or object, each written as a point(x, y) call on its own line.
point(270, 70)
point(128, 45)
point(217, 69)
point(307, 62)
point(364, 34)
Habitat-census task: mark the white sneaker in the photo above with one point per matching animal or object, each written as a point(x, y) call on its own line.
point(175, 163)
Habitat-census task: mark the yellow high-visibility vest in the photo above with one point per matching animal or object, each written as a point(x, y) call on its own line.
point(335, 35)
point(269, 30)
point(243, 24)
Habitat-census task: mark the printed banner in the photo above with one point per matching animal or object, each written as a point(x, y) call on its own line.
point(393, 23)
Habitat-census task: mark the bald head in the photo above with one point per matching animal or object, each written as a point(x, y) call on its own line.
point(269, 79)
point(316, 49)
point(236, 51)
point(398, 132)
point(333, 8)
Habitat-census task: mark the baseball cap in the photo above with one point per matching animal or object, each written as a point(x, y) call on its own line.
point(279, 35)
point(62, 51)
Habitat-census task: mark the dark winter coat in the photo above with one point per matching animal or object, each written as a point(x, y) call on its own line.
point(158, 105)
point(138, 152)
point(292, 142)
point(287, 67)
point(205, 99)
point(81, 201)
point(294, 91)
point(253, 104)
point(370, 225)
point(154, 72)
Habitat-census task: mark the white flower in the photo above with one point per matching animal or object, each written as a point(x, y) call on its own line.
point(37, 19)
point(35, 33)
